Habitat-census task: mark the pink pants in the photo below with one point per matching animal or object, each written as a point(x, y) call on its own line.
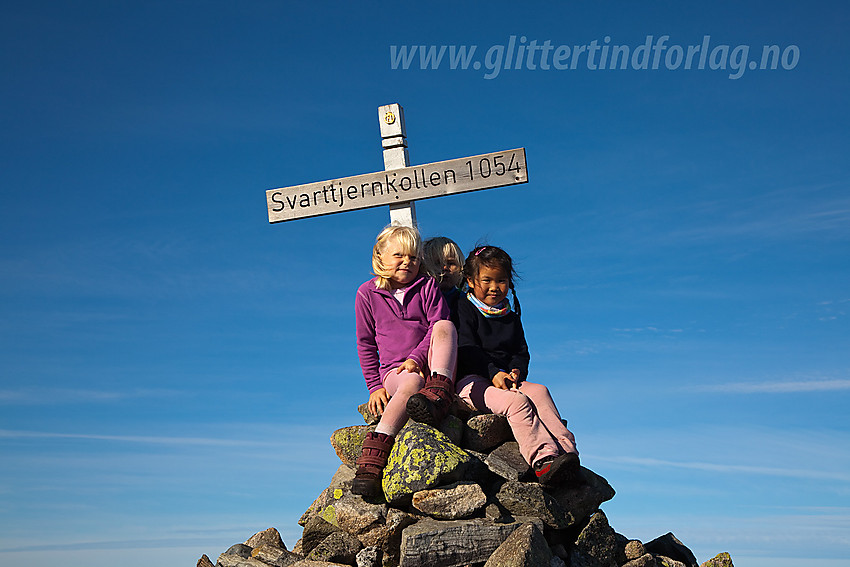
point(531, 413)
point(442, 359)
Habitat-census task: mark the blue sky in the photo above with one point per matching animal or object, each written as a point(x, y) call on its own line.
point(171, 365)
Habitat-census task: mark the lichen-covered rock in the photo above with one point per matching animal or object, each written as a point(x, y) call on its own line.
point(525, 547)
point(369, 417)
point(338, 547)
point(583, 499)
point(452, 502)
point(340, 485)
point(348, 442)
point(433, 543)
point(485, 431)
point(421, 458)
point(353, 514)
point(669, 546)
point(529, 499)
point(663, 561)
point(596, 545)
point(719, 560)
point(314, 532)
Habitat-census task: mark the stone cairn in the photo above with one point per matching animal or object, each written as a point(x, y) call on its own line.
point(460, 496)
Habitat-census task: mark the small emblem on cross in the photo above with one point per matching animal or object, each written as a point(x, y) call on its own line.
point(389, 117)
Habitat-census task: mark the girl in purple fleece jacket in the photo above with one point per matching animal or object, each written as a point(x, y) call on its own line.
point(406, 345)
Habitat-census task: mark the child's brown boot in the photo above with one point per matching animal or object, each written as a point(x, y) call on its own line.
point(431, 404)
point(370, 465)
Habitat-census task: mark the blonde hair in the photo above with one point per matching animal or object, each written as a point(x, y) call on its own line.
point(410, 241)
point(434, 253)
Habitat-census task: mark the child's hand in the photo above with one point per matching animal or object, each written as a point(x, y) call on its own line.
point(504, 381)
point(409, 365)
point(516, 374)
point(378, 401)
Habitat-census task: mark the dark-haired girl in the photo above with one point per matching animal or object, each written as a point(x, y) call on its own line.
point(493, 366)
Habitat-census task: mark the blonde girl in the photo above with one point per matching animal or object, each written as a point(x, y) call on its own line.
point(406, 346)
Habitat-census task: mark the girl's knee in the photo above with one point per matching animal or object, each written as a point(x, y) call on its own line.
point(444, 331)
point(410, 383)
point(533, 390)
point(517, 402)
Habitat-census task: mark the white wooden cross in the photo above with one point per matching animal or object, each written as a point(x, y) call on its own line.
point(399, 185)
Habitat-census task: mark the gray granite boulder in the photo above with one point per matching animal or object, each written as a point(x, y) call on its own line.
point(583, 499)
point(239, 549)
point(669, 545)
point(485, 431)
point(275, 556)
point(596, 545)
point(268, 536)
point(645, 560)
point(338, 547)
point(369, 557)
point(451, 502)
point(233, 560)
point(525, 547)
point(507, 454)
point(316, 530)
point(530, 499)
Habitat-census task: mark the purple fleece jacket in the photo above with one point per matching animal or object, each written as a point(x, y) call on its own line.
point(388, 333)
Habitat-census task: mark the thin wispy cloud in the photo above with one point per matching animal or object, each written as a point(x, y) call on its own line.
point(781, 214)
point(646, 330)
point(121, 544)
point(776, 387)
point(728, 468)
point(144, 439)
point(51, 396)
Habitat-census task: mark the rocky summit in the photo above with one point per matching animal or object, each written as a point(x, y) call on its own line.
point(457, 496)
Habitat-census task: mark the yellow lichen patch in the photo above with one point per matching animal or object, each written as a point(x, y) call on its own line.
point(329, 515)
point(337, 493)
point(419, 458)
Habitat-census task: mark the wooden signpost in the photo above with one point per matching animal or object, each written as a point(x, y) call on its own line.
point(399, 185)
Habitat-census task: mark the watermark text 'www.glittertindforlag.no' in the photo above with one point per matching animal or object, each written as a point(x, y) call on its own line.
point(654, 53)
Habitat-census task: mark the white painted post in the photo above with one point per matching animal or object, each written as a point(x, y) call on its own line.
point(394, 142)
